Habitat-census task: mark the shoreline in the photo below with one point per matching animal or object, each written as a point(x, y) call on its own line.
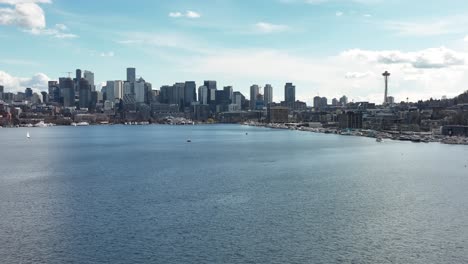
point(415, 137)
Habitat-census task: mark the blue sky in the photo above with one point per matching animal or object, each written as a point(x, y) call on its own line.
point(326, 47)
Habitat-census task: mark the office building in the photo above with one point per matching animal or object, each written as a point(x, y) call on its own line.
point(254, 92)
point(268, 94)
point(344, 100)
point(212, 87)
point(89, 76)
point(277, 114)
point(289, 93)
point(85, 94)
point(131, 75)
point(335, 102)
point(190, 93)
point(203, 95)
point(140, 91)
point(28, 93)
point(67, 92)
point(44, 97)
point(228, 93)
point(78, 75)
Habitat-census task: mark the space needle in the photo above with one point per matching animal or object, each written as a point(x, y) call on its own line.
point(386, 74)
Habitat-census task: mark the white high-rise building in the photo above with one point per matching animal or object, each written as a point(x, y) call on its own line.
point(203, 95)
point(268, 94)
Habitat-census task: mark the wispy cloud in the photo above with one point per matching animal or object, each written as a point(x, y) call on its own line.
point(424, 59)
point(19, 62)
point(59, 31)
point(107, 54)
point(187, 14)
point(267, 28)
point(339, 13)
point(435, 27)
point(163, 40)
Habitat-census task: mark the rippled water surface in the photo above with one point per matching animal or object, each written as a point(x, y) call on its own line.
point(117, 194)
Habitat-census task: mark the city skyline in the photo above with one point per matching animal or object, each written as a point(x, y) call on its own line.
point(332, 47)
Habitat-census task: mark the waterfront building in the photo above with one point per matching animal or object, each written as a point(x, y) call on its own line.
point(289, 93)
point(278, 114)
point(268, 94)
point(350, 120)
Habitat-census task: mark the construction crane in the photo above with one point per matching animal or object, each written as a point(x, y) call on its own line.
point(69, 74)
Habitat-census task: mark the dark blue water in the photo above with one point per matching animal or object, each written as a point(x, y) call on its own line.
point(116, 194)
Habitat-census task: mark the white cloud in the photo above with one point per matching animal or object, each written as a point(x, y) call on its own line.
point(358, 75)
point(433, 27)
point(266, 28)
point(429, 58)
point(30, 17)
point(149, 40)
point(187, 14)
point(355, 73)
point(339, 13)
point(107, 54)
point(39, 82)
point(59, 31)
point(176, 14)
point(192, 14)
point(465, 39)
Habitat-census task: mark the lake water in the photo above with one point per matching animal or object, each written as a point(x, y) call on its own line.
point(143, 194)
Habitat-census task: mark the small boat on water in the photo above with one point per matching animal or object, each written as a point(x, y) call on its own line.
point(27, 135)
point(188, 140)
